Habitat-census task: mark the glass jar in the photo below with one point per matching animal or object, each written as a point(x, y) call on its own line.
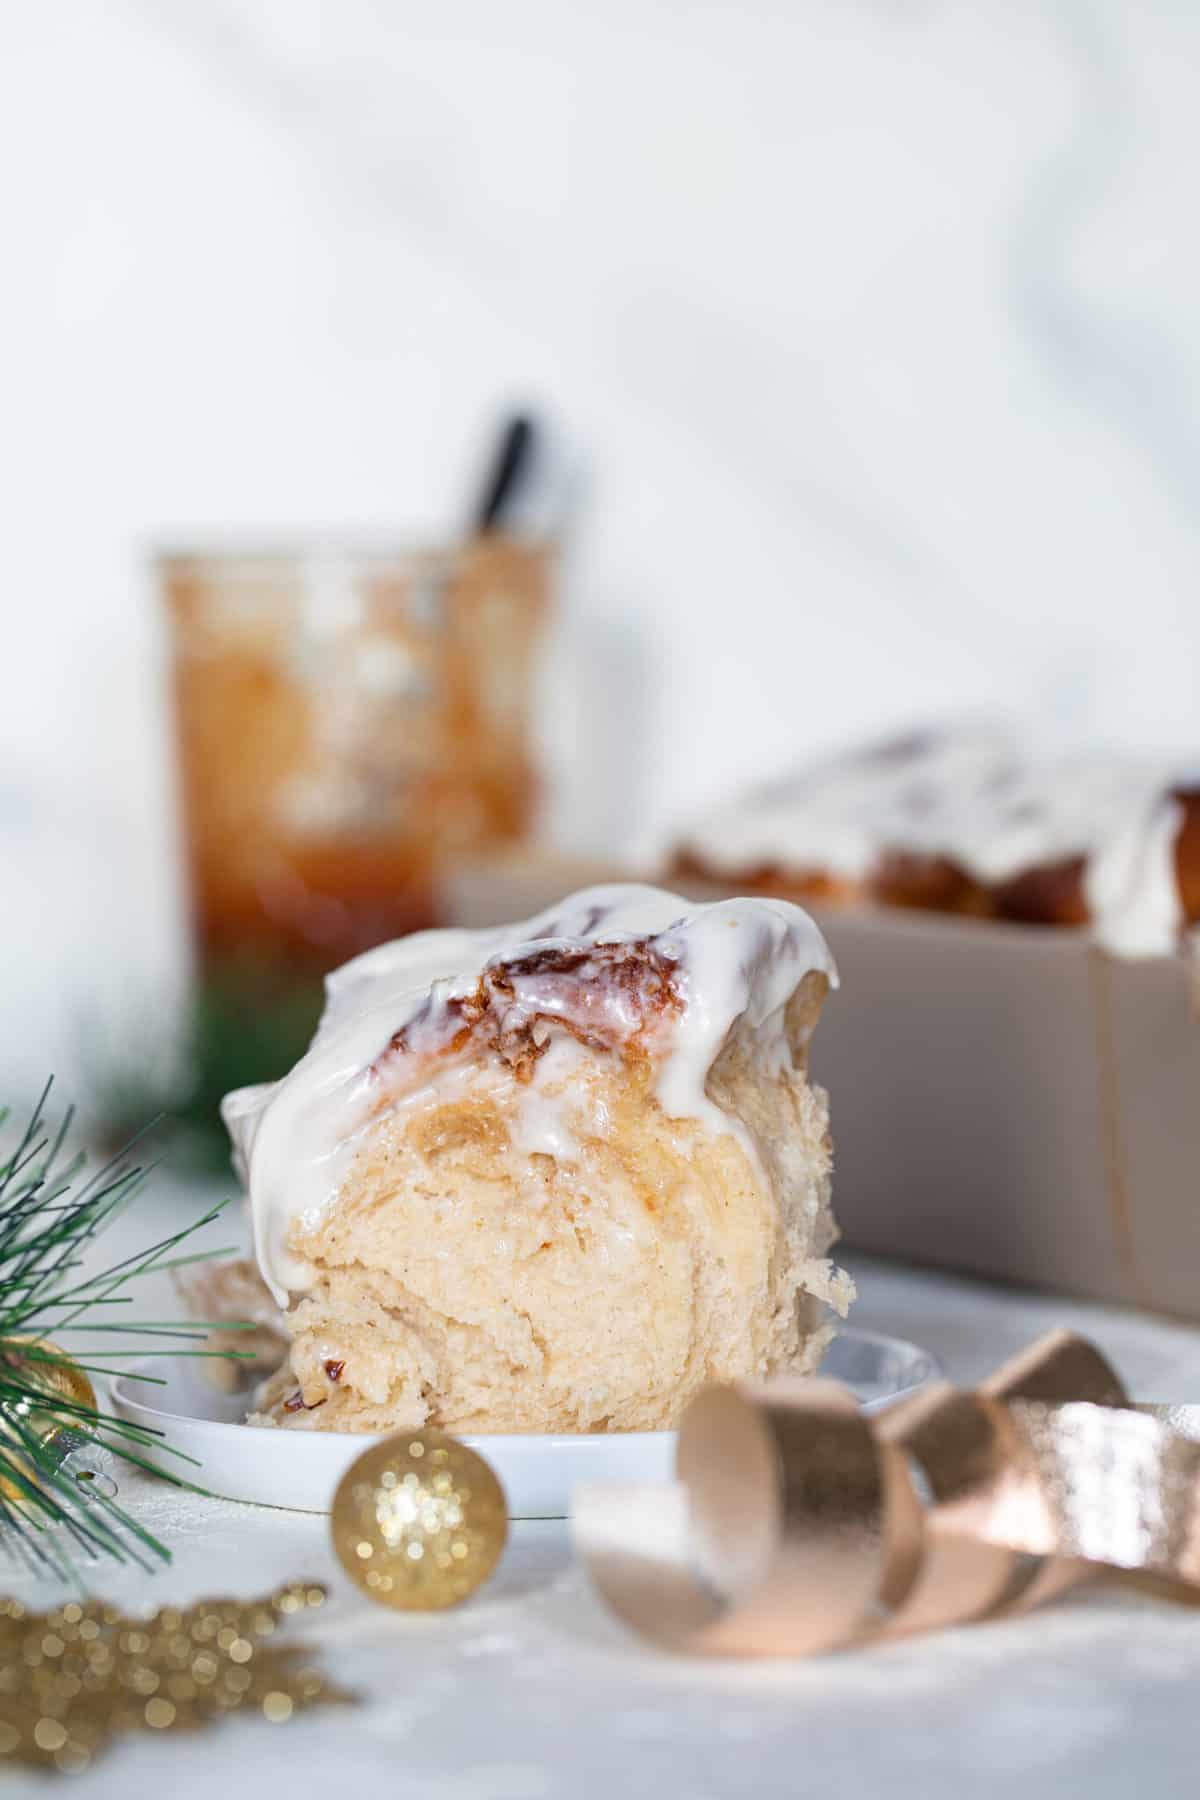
point(349, 722)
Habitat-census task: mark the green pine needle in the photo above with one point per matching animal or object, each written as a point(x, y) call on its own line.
point(48, 1218)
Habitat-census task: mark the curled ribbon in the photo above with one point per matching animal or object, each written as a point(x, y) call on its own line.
point(797, 1524)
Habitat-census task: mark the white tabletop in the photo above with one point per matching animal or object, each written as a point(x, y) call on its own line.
point(531, 1691)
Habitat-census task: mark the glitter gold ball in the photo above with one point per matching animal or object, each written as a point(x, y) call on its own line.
point(419, 1521)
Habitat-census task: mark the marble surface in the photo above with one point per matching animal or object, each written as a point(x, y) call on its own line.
point(876, 324)
point(533, 1692)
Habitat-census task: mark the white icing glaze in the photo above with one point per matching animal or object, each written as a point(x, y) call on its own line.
point(980, 799)
point(736, 960)
point(1130, 883)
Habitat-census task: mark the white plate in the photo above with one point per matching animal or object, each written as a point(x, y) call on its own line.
point(300, 1469)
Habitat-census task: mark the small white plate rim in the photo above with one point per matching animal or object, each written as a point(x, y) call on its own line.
point(250, 1463)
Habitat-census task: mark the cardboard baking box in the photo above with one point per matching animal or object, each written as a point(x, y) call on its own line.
point(1007, 1100)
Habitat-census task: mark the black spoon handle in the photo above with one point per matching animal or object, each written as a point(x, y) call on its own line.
point(509, 469)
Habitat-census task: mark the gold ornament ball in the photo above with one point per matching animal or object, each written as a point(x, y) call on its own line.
point(419, 1521)
point(58, 1381)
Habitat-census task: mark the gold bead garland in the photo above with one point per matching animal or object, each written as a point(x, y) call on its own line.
point(419, 1521)
point(73, 1678)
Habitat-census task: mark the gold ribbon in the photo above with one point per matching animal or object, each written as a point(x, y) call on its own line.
point(797, 1525)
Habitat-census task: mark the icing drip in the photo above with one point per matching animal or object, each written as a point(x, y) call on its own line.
point(408, 1025)
point(981, 801)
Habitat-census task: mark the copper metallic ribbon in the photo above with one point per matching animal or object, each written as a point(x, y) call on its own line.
point(797, 1524)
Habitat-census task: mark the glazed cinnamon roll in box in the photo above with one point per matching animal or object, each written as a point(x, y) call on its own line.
point(1017, 1052)
point(551, 1177)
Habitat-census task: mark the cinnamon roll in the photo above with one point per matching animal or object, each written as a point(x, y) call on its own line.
point(553, 1177)
point(974, 824)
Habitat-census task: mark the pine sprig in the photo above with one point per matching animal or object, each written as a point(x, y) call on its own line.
point(48, 1220)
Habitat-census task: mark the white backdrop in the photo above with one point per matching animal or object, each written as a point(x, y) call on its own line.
point(878, 322)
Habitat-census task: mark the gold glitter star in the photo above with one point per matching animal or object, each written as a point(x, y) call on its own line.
point(74, 1678)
